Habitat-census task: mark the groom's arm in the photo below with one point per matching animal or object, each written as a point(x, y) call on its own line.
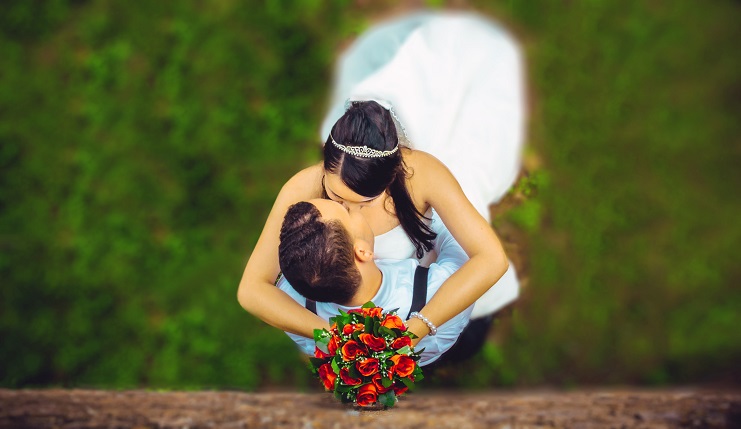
point(451, 258)
point(450, 254)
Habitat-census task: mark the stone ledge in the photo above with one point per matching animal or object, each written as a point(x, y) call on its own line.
point(677, 408)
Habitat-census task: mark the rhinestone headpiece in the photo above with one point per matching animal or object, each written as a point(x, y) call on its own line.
point(363, 151)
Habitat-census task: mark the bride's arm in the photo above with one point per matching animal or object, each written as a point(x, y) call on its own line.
point(257, 293)
point(433, 184)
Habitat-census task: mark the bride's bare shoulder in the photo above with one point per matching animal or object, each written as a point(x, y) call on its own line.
point(425, 175)
point(306, 184)
point(422, 164)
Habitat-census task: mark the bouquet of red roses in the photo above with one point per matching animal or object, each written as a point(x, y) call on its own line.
point(366, 357)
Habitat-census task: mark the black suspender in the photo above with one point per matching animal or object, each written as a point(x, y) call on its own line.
point(419, 297)
point(311, 305)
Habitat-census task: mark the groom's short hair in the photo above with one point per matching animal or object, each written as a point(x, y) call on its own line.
point(316, 256)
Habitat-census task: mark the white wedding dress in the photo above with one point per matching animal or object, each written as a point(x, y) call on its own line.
point(454, 82)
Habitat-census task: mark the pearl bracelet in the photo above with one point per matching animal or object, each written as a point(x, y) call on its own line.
point(431, 326)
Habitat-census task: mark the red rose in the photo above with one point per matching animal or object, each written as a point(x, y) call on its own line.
point(345, 376)
point(373, 342)
point(375, 312)
point(399, 389)
point(351, 350)
point(372, 312)
point(367, 395)
point(352, 327)
point(332, 346)
point(393, 321)
point(367, 366)
point(320, 354)
point(401, 342)
point(378, 383)
point(403, 365)
point(327, 376)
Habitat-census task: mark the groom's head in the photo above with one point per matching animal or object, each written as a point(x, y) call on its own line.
point(320, 245)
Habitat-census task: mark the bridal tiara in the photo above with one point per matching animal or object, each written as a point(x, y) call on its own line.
point(363, 151)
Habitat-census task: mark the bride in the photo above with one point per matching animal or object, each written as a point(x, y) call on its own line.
point(427, 114)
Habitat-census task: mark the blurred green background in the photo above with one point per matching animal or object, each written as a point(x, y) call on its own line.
point(142, 145)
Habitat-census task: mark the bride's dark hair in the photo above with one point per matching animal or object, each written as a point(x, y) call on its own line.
point(367, 123)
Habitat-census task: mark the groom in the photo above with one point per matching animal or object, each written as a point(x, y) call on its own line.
point(326, 253)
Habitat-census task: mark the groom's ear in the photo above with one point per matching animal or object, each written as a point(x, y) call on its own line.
point(363, 250)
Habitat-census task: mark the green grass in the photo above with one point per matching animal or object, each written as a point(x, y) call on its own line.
point(141, 147)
